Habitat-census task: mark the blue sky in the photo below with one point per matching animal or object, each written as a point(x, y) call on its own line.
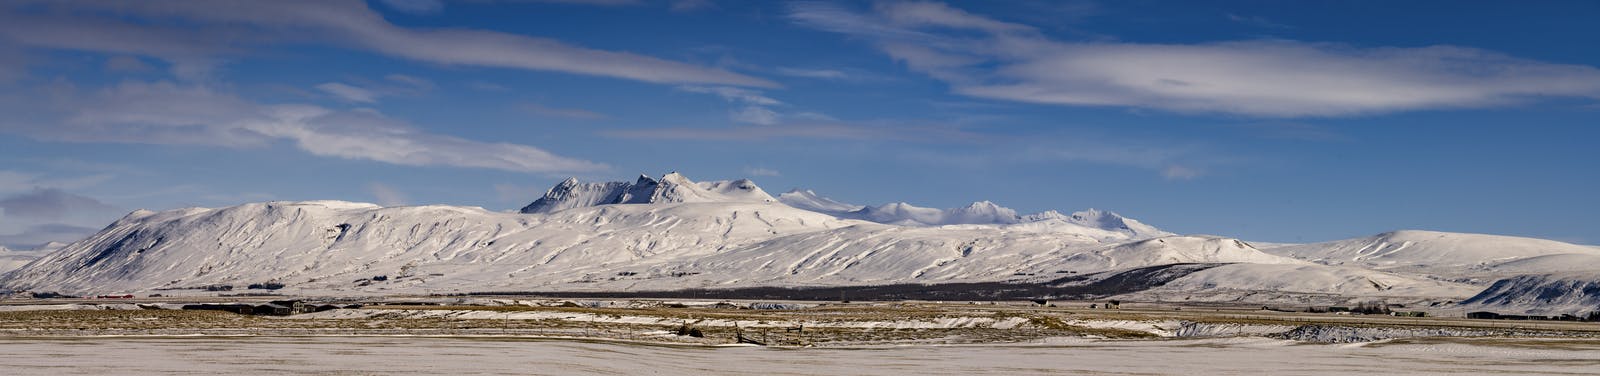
point(1264, 120)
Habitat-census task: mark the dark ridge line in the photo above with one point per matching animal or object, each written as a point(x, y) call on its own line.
point(1081, 287)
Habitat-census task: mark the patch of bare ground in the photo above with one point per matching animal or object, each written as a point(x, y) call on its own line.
point(820, 324)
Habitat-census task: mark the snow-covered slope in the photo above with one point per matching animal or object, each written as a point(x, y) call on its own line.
point(335, 246)
point(1304, 283)
point(671, 188)
point(880, 254)
point(1574, 293)
point(328, 244)
point(900, 213)
point(1111, 225)
point(1527, 275)
point(808, 200)
point(685, 235)
point(674, 233)
point(1442, 254)
point(11, 259)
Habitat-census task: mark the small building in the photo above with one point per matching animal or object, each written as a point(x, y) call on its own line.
point(275, 308)
point(296, 307)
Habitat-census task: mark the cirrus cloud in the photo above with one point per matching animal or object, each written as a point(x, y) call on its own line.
point(193, 35)
point(167, 113)
point(982, 57)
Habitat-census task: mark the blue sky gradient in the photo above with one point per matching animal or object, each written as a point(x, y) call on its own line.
point(1264, 120)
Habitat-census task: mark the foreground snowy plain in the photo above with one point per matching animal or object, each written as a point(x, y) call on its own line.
point(493, 356)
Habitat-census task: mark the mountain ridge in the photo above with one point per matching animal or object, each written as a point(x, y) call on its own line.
point(673, 233)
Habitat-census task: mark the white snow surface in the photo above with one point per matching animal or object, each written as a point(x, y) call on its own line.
point(330, 246)
point(809, 200)
point(1575, 293)
point(1308, 279)
point(11, 259)
point(671, 188)
point(1101, 224)
point(1443, 254)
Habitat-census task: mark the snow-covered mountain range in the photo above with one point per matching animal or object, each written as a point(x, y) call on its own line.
point(11, 259)
point(672, 188)
point(673, 233)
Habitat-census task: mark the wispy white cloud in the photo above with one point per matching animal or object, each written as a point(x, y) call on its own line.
point(827, 74)
point(48, 213)
point(50, 204)
point(411, 82)
point(349, 93)
point(819, 130)
point(126, 63)
point(1179, 172)
point(733, 94)
point(1264, 78)
point(761, 171)
point(570, 113)
point(14, 182)
point(755, 115)
point(757, 108)
point(218, 28)
point(31, 236)
point(415, 6)
point(933, 14)
point(370, 91)
point(840, 19)
point(386, 195)
point(191, 55)
point(170, 113)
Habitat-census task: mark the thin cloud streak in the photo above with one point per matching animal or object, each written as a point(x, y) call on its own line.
point(819, 131)
point(570, 113)
point(386, 195)
point(223, 26)
point(166, 113)
point(826, 74)
point(1260, 78)
point(349, 93)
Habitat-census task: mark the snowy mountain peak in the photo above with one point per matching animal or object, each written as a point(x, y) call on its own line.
point(983, 205)
point(982, 212)
point(1099, 223)
point(1099, 219)
point(676, 178)
point(808, 200)
point(671, 188)
point(51, 246)
point(1044, 216)
point(1102, 219)
point(901, 213)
